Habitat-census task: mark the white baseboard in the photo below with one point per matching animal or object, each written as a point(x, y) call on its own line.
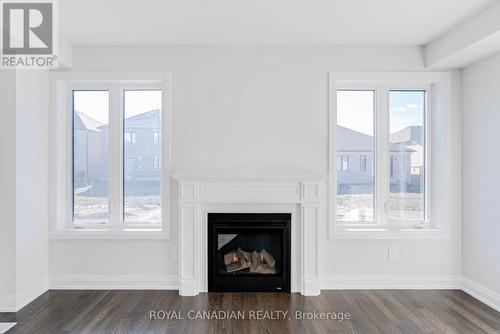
point(15, 302)
point(373, 282)
point(171, 282)
point(5, 326)
point(344, 282)
point(8, 303)
point(114, 282)
point(34, 291)
point(482, 293)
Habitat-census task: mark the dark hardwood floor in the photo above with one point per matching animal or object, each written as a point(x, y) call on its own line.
point(371, 311)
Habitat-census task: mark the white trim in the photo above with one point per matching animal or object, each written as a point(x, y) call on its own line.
point(15, 302)
point(327, 282)
point(114, 282)
point(8, 303)
point(436, 225)
point(103, 234)
point(115, 157)
point(61, 226)
point(332, 151)
point(374, 282)
point(481, 293)
point(34, 291)
point(6, 326)
point(200, 195)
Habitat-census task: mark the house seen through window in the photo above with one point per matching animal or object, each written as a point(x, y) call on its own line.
point(399, 186)
point(138, 159)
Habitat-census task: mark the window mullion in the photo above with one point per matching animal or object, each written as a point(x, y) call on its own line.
point(69, 158)
point(427, 155)
point(115, 156)
point(382, 154)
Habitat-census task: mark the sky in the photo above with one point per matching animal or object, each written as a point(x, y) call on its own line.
point(406, 109)
point(96, 103)
point(355, 110)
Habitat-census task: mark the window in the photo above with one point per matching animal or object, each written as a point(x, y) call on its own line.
point(362, 163)
point(142, 190)
point(156, 137)
point(389, 123)
point(354, 134)
point(130, 137)
point(92, 126)
point(90, 155)
point(356, 112)
point(156, 162)
point(105, 181)
point(342, 162)
point(100, 195)
point(407, 114)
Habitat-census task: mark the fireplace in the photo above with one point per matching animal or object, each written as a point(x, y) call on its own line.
point(302, 197)
point(249, 252)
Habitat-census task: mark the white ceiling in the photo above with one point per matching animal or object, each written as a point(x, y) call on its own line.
point(251, 22)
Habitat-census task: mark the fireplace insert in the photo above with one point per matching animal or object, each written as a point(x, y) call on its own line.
point(249, 252)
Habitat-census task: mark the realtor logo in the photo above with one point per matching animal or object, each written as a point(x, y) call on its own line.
point(28, 34)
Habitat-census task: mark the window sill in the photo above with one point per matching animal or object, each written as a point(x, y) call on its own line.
point(384, 233)
point(93, 233)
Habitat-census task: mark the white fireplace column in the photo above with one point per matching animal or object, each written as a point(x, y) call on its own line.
point(199, 195)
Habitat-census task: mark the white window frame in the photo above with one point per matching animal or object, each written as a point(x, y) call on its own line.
point(63, 83)
point(438, 104)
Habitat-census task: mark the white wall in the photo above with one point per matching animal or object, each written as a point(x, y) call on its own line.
point(32, 94)
point(481, 161)
point(24, 187)
point(7, 190)
point(255, 109)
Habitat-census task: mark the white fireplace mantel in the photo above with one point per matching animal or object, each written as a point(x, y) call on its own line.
point(300, 195)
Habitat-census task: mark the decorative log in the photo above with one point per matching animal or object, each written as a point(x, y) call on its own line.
point(266, 269)
point(237, 266)
point(243, 261)
point(255, 262)
point(268, 258)
point(230, 257)
point(245, 255)
point(259, 262)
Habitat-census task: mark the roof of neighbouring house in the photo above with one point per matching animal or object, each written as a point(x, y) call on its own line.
point(83, 121)
point(148, 119)
point(351, 141)
point(409, 134)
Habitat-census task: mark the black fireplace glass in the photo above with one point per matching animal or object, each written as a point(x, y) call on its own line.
point(249, 252)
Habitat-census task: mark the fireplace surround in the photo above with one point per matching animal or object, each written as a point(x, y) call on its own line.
point(302, 197)
point(249, 252)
